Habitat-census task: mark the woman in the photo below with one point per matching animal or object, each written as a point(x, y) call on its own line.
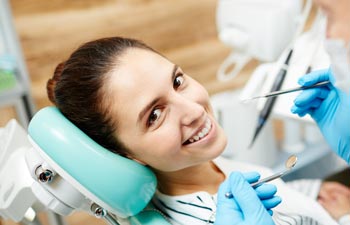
point(136, 103)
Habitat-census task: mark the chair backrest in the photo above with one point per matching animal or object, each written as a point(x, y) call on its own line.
point(120, 185)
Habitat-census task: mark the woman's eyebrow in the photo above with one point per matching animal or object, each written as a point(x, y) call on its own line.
point(150, 105)
point(145, 110)
point(173, 74)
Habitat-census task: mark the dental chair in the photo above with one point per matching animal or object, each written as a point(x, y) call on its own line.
point(58, 168)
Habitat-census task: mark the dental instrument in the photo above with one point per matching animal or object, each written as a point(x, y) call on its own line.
point(289, 164)
point(281, 92)
point(266, 111)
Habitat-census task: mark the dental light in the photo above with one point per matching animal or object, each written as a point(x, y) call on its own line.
point(59, 168)
point(259, 29)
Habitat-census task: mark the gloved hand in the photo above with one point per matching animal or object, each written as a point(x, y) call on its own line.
point(329, 107)
point(248, 206)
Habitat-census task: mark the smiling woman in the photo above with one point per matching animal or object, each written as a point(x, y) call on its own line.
point(173, 111)
point(136, 103)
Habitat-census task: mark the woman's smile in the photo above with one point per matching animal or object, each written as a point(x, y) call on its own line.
point(201, 133)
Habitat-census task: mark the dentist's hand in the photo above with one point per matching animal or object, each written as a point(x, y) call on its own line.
point(329, 107)
point(248, 206)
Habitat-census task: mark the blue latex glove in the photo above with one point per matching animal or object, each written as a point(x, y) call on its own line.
point(248, 206)
point(329, 107)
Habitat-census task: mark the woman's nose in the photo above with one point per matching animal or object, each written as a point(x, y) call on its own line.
point(189, 111)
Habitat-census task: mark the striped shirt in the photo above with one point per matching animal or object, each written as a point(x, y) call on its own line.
point(199, 208)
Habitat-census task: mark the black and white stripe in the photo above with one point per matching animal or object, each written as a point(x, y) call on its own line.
point(193, 212)
point(200, 209)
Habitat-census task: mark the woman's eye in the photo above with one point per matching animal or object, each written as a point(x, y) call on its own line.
point(179, 79)
point(154, 116)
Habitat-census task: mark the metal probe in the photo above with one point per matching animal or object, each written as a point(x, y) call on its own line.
point(281, 92)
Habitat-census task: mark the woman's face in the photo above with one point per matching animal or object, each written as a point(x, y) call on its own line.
point(163, 115)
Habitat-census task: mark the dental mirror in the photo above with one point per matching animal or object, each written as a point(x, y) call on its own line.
point(289, 164)
point(291, 161)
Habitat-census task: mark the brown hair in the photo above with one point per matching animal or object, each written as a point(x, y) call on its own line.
point(77, 88)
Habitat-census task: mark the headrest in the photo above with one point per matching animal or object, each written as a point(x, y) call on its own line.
point(120, 185)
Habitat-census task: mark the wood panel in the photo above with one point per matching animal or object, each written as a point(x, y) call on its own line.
point(183, 30)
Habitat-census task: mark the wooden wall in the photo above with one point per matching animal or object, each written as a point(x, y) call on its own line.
point(183, 30)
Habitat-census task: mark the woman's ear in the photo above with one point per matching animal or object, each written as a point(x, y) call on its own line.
point(136, 160)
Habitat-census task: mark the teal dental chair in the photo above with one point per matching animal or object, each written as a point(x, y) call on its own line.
point(75, 173)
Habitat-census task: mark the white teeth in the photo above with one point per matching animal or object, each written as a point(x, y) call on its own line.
point(202, 133)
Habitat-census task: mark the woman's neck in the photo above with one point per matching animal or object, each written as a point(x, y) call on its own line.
point(204, 177)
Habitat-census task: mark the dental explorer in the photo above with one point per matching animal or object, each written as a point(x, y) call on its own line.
point(276, 93)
